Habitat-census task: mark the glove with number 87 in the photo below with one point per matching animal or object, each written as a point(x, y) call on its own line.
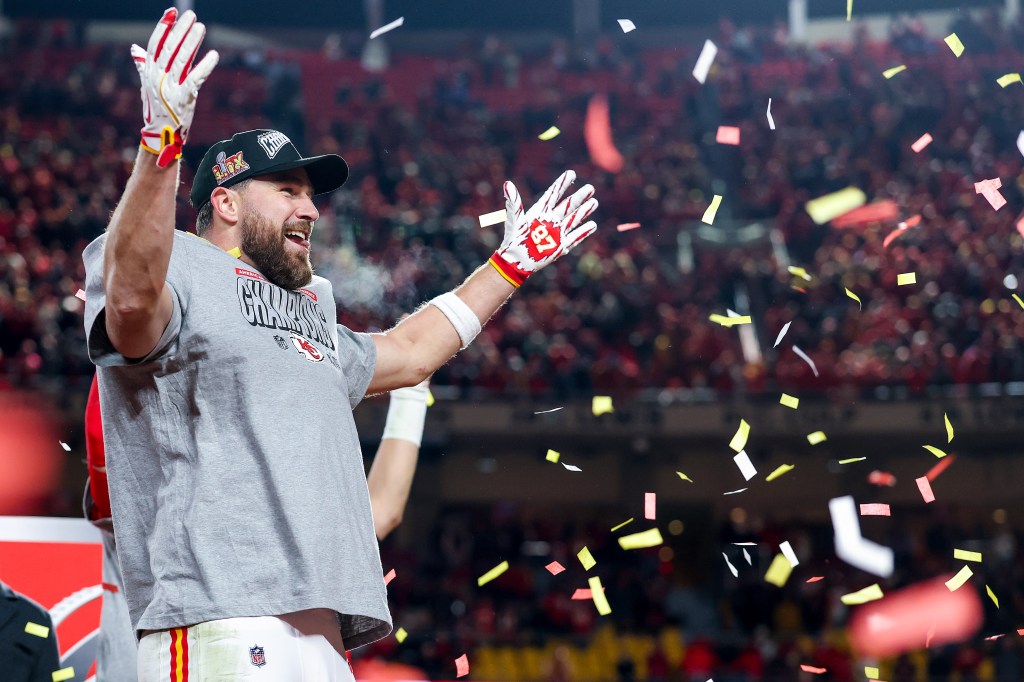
point(549, 229)
point(170, 83)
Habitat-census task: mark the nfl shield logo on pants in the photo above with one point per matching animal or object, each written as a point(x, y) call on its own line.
point(256, 656)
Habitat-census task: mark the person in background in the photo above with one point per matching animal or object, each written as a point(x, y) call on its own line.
point(28, 640)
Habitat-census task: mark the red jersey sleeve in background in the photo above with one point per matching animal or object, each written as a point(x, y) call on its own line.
point(95, 454)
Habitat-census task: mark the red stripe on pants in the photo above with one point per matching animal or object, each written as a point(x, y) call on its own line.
point(174, 654)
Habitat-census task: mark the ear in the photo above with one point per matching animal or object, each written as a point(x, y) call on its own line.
point(227, 205)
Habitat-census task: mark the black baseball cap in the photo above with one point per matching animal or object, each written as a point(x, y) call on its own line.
point(259, 152)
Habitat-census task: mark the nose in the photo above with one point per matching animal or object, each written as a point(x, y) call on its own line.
point(307, 210)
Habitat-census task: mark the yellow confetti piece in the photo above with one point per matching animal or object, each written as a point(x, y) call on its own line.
point(739, 440)
point(1018, 300)
point(727, 321)
point(825, 208)
point(992, 596)
point(552, 456)
point(958, 580)
point(624, 523)
point(37, 629)
point(906, 278)
point(954, 44)
point(778, 572)
point(63, 674)
point(784, 469)
point(934, 450)
point(602, 404)
point(789, 401)
point(870, 593)
point(709, 215)
point(871, 672)
point(586, 558)
point(642, 540)
point(550, 133)
point(889, 73)
point(965, 555)
point(401, 634)
point(799, 272)
point(236, 252)
point(492, 574)
point(949, 428)
point(1007, 79)
point(684, 476)
point(852, 460)
point(849, 9)
point(430, 398)
point(816, 437)
point(855, 297)
point(597, 594)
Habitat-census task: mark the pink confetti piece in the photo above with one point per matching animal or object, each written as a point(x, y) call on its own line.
point(554, 568)
point(597, 131)
point(874, 509)
point(650, 500)
point(625, 227)
point(80, 295)
point(389, 577)
point(1020, 632)
point(728, 135)
point(1020, 226)
point(994, 638)
point(814, 671)
point(926, 489)
point(815, 579)
point(461, 666)
point(584, 594)
point(990, 190)
point(921, 143)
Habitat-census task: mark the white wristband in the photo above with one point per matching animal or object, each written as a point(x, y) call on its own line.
point(407, 413)
point(465, 321)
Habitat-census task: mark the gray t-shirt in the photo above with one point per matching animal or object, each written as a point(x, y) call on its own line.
point(236, 478)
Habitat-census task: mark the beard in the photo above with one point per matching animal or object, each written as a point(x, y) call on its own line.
point(266, 246)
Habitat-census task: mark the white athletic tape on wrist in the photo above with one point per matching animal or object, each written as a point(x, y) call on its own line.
point(407, 414)
point(465, 321)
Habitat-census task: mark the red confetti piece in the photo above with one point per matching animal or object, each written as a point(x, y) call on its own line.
point(1020, 226)
point(554, 568)
point(815, 578)
point(814, 671)
point(649, 503)
point(461, 666)
point(584, 594)
point(921, 143)
point(597, 130)
point(881, 478)
point(389, 577)
point(627, 226)
point(1020, 632)
point(874, 509)
point(81, 294)
point(728, 135)
point(939, 467)
point(926, 489)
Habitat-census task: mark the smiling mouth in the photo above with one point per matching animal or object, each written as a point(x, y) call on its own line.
point(298, 239)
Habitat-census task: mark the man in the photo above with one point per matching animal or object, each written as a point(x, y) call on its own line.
point(389, 482)
point(28, 640)
point(239, 501)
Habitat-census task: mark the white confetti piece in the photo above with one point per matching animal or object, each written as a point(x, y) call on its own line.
point(851, 546)
point(67, 448)
point(771, 121)
point(554, 409)
point(735, 492)
point(626, 25)
point(492, 218)
point(787, 551)
point(387, 27)
point(806, 358)
point(732, 569)
point(746, 555)
point(745, 544)
point(778, 339)
point(704, 61)
point(745, 466)
point(571, 467)
point(1020, 142)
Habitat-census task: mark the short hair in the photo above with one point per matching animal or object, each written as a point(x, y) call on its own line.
point(204, 219)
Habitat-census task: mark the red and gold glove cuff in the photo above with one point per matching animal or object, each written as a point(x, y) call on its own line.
point(511, 273)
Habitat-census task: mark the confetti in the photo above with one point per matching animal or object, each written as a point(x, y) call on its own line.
point(583, 593)
point(67, 448)
point(771, 121)
point(601, 404)
point(799, 272)
point(236, 252)
point(787, 551)
point(889, 73)
point(990, 190)
point(939, 467)
point(849, 9)
point(549, 134)
point(949, 428)
point(727, 322)
point(401, 634)
point(852, 460)
point(492, 218)
point(743, 463)
point(811, 669)
point(874, 509)
point(965, 555)
point(739, 440)
point(954, 44)
point(704, 61)
point(958, 580)
point(746, 555)
point(492, 574)
point(992, 595)
point(934, 450)
point(626, 25)
point(921, 143)
point(684, 476)
point(1007, 79)
point(871, 672)
point(869, 593)
point(851, 546)
point(63, 674)
point(597, 131)
point(732, 569)
point(1020, 148)
point(778, 571)
point(554, 568)
point(625, 227)
point(648, 538)
point(789, 401)
point(926, 489)
point(430, 398)
point(586, 558)
point(728, 135)
point(461, 666)
point(782, 469)
point(37, 630)
point(855, 297)
point(552, 456)
point(554, 409)
point(709, 214)
point(623, 524)
point(877, 477)
point(650, 500)
point(81, 294)
point(815, 579)
point(825, 208)
point(391, 575)
point(735, 492)
point(816, 437)
point(778, 339)
point(387, 27)
point(806, 358)
point(600, 600)
point(1018, 300)
point(906, 278)
point(571, 467)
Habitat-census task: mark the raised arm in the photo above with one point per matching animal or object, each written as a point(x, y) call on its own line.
point(141, 232)
point(418, 345)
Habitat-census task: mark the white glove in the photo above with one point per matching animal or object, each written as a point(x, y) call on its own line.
point(545, 232)
point(170, 83)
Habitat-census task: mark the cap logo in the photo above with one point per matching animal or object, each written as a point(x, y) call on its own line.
point(228, 167)
point(272, 142)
